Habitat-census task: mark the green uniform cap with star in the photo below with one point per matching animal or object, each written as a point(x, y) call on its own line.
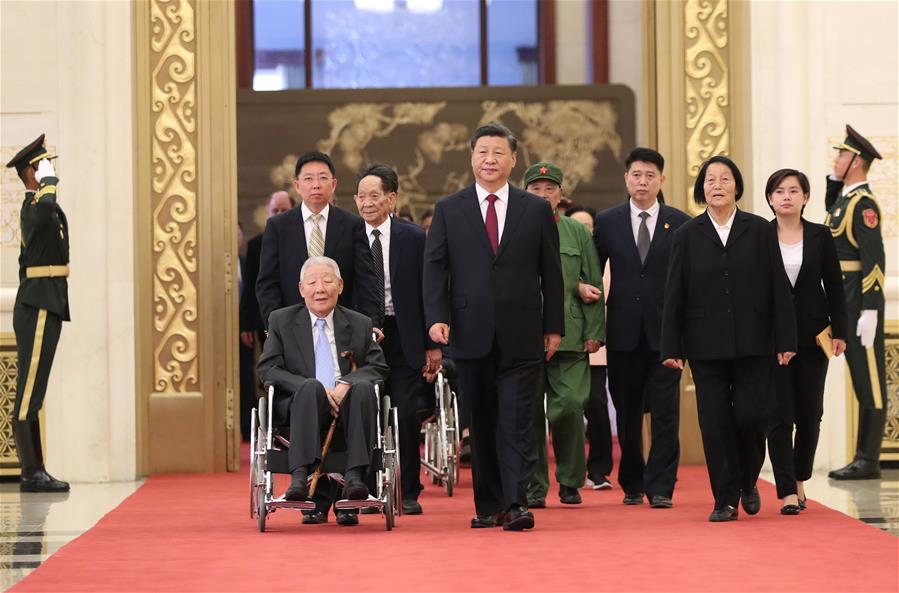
point(30, 155)
point(542, 171)
point(858, 144)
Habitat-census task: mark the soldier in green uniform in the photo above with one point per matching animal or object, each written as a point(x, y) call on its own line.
point(567, 374)
point(854, 220)
point(42, 304)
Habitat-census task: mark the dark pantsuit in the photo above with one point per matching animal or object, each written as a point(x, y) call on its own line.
point(733, 398)
point(499, 394)
point(599, 429)
point(37, 334)
point(800, 402)
point(638, 382)
point(403, 386)
point(310, 417)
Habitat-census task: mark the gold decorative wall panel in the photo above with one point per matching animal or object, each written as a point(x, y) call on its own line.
point(174, 178)
point(706, 84)
point(9, 372)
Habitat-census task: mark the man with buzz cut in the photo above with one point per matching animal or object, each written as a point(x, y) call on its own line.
point(566, 376)
point(853, 216)
point(635, 238)
point(42, 304)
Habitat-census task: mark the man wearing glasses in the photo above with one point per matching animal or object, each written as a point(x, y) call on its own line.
point(316, 228)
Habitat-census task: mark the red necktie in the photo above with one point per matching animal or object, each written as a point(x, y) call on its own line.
point(492, 224)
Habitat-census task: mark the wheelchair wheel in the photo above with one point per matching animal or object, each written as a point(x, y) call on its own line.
point(261, 513)
point(397, 463)
point(253, 462)
point(390, 476)
point(456, 436)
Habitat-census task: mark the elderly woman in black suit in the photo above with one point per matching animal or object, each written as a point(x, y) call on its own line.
point(810, 260)
point(728, 310)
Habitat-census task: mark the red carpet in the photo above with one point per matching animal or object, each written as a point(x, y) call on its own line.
point(194, 533)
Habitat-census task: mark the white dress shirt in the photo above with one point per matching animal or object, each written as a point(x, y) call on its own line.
point(308, 224)
point(852, 187)
point(653, 212)
point(723, 230)
point(385, 248)
point(500, 205)
point(792, 256)
point(329, 333)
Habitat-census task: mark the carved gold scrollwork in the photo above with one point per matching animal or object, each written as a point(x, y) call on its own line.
point(174, 195)
point(706, 83)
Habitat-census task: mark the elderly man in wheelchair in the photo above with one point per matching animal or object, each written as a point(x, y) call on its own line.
point(324, 363)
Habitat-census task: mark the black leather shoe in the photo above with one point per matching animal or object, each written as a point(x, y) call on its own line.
point(660, 502)
point(40, 481)
point(485, 521)
point(298, 489)
point(790, 509)
point(568, 495)
point(751, 501)
point(354, 488)
point(538, 502)
point(347, 517)
point(633, 498)
point(34, 478)
point(518, 519)
point(802, 504)
point(728, 513)
point(411, 507)
point(859, 469)
point(314, 517)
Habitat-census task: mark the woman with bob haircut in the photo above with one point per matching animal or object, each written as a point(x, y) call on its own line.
point(811, 263)
point(728, 310)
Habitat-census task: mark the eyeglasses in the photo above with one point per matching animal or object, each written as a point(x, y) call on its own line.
point(321, 179)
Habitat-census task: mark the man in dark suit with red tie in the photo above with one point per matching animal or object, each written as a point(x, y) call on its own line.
point(315, 228)
point(635, 237)
point(397, 247)
point(493, 292)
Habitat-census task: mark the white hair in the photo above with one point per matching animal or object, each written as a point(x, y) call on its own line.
point(320, 261)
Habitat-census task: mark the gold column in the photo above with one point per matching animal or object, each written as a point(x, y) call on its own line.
point(185, 231)
point(697, 61)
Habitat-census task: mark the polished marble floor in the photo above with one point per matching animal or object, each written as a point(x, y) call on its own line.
point(34, 526)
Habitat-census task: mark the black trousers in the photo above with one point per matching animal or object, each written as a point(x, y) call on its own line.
point(37, 334)
point(404, 386)
point(599, 429)
point(799, 389)
point(734, 398)
point(498, 393)
point(310, 416)
point(638, 382)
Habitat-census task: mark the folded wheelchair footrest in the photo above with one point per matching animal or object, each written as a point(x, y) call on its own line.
point(300, 505)
point(370, 502)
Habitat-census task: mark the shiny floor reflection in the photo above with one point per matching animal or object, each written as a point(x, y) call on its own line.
point(34, 526)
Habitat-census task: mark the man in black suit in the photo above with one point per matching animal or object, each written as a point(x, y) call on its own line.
point(397, 248)
point(301, 358)
point(492, 269)
point(315, 228)
point(252, 329)
point(635, 238)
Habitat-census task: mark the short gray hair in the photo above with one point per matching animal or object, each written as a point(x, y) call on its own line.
point(320, 261)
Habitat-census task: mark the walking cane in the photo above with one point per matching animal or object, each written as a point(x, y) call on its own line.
point(327, 445)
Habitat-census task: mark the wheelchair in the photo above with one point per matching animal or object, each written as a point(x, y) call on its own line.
point(442, 437)
point(268, 456)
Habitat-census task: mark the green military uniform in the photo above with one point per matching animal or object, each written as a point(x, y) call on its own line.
point(854, 218)
point(41, 306)
point(566, 376)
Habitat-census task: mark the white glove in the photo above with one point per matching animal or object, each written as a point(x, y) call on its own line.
point(867, 327)
point(44, 169)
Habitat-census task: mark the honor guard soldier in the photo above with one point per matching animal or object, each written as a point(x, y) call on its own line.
point(854, 220)
point(42, 305)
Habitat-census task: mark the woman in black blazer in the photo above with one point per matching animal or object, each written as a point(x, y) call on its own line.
point(810, 260)
point(728, 310)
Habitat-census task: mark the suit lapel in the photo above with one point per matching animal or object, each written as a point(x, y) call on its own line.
point(472, 211)
point(739, 225)
point(342, 339)
point(302, 331)
point(396, 231)
point(704, 221)
point(628, 229)
point(514, 209)
point(806, 251)
point(661, 232)
point(332, 232)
